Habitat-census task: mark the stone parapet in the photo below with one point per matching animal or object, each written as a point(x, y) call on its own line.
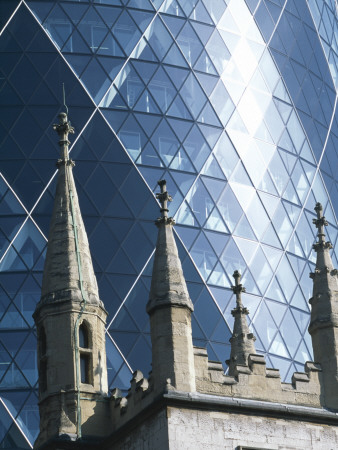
point(255, 381)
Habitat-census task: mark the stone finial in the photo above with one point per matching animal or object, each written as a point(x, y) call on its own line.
point(320, 222)
point(63, 128)
point(324, 313)
point(164, 198)
point(238, 288)
point(321, 247)
point(242, 340)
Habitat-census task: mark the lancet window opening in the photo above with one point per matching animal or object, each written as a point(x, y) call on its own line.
point(85, 348)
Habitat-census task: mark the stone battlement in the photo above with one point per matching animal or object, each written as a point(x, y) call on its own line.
point(253, 381)
point(256, 381)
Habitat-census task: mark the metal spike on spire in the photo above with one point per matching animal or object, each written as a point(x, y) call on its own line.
point(63, 128)
point(64, 98)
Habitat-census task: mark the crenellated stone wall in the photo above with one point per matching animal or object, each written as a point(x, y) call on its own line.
point(256, 381)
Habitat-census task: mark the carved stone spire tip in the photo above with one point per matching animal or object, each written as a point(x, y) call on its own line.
point(242, 340)
point(238, 289)
point(63, 129)
point(164, 198)
point(320, 223)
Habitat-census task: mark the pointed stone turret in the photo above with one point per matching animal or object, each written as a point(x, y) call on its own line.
point(70, 318)
point(68, 243)
point(324, 313)
point(242, 340)
point(170, 308)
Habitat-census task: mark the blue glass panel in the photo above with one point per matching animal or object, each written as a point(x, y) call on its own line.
point(178, 109)
point(75, 12)
point(181, 161)
point(95, 79)
point(23, 27)
point(124, 340)
point(146, 103)
point(138, 245)
point(174, 24)
point(229, 208)
point(27, 360)
point(200, 201)
point(196, 147)
point(215, 8)
point(193, 96)
point(29, 417)
point(141, 18)
point(158, 38)
point(165, 142)
point(141, 4)
point(6, 9)
point(218, 52)
point(204, 64)
point(150, 157)
point(132, 137)
point(264, 21)
point(126, 32)
point(136, 304)
point(58, 26)
point(114, 363)
point(162, 89)
point(206, 308)
point(25, 78)
point(232, 260)
point(189, 43)
point(140, 356)
point(203, 256)
point(265, 325)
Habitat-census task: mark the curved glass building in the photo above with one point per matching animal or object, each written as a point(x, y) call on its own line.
point(233, 102)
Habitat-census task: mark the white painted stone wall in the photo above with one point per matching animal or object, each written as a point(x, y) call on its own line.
point(208, 430)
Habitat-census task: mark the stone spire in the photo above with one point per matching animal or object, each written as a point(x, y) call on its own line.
point(242, 340)
point(168, 286)
point(68, 248)
point(324, 313)
point(70, 319)
point(170, 308)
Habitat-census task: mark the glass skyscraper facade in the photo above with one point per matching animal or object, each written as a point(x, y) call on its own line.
point(233, 102)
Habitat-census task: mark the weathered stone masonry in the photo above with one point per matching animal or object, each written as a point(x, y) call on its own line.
point(187, 402)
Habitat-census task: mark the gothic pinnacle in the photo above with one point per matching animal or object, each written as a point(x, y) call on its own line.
point(63, 128)
point(238, 288)
point(68, 263)
point(324, 312)
point(320, 222)
point(168, 285)
point(242, 340)
point(170, 308)
point(164, 198)
point(321, 247)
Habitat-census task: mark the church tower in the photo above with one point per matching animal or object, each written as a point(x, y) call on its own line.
point(324, 314)
point(70, 318)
